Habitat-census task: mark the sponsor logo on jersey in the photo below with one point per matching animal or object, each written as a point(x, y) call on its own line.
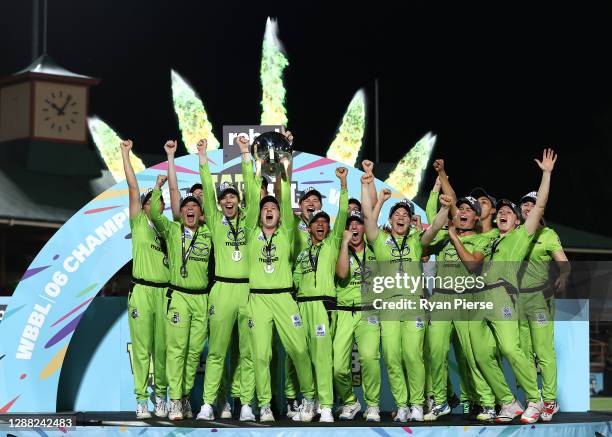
point(201, 249)
point(320, 331)
point(297, 320)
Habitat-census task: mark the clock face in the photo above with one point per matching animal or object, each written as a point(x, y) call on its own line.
point(60, 111)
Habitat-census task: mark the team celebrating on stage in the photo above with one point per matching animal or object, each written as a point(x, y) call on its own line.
point(223, 262)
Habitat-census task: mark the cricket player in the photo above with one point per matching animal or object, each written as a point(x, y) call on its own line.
point(402, 340)
point(353, 271)
point(147, 296)
point(536, 303)
point(501, 276)
point(229, 295)
point(271, 304)
point(189, 246)
point(314, 273)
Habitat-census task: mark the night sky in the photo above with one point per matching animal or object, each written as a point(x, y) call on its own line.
point(495, 85)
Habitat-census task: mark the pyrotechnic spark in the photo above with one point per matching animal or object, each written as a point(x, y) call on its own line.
point(107, 141)
point(192, 117)
point(407, 174)
point(273, 63)
point(348, 141)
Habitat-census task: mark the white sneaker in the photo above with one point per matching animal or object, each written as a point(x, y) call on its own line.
point(430, 404)
point(176, 410)
point(532, 413)
point(350, 411)
point(402, 415)
point(246, 414)
point(487, 414)
point(550, 408)
point(416, 413)
point(265, 414)
point(142, 410)
point(437, 411)
point(206, 413)
point(306, 411)
point(293, 408)
point(509, 412)
point(227, 411)
point(326, 415)
point(372, 414)
point(161, 407)
point(186, 405)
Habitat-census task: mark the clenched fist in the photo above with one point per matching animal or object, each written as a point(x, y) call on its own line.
point(170, 147)
point(126, 145)
point(161, 180)
point(368, 166)
point(445, 200)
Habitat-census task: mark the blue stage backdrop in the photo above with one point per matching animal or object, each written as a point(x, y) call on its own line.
point(64, 278)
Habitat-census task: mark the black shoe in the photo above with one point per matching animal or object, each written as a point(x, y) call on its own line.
point(475, 410)
point(453, 401)
point(292, 408)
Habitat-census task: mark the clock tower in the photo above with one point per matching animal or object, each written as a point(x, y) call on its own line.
point(45, 102)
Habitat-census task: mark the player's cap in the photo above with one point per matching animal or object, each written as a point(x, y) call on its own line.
point(190, 197)
point(406, 204)
point(310, 191)
point(505, 202)
point(479, 192)
point(316, 214)
point(226, 188)
point(195, 187)
point(355, 215)
point(529, 197)
point(266, 199)
point(144, 197)
point(355, 201)
point(472, 203)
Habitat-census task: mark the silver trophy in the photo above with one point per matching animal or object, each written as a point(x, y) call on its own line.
point(271, 147)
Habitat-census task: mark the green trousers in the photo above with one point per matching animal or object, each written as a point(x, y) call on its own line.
point(500, 326)
point(402, 342)
point(352, 328)
point(291, 382)
point(474, 387)
point(537, 335)
point(277, 310)
point(186, 327)
point(318, 324)
point(226, 306)
point(146, 319)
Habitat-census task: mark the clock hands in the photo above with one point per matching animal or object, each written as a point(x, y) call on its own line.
point(68, 98)
point(54, 106)
point(62, 110)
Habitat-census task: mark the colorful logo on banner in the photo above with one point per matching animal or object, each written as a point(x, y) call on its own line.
point(85, 253)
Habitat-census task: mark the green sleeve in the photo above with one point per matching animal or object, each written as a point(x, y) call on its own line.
point(340, 224)
point(252, 196)
point(297, 271)
point(160, 221)
point(553, 242)
point(286, 210)
point(209, 199)
point(431, 209)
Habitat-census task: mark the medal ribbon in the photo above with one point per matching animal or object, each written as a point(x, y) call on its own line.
point(186, 254)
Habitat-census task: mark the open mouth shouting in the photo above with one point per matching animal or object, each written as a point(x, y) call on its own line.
point(190, 217)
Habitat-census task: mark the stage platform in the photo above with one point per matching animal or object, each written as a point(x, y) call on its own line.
point(596, 424)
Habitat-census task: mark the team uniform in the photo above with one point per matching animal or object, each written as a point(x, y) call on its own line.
point(474, 388)
point(147, 307)
point(536, 308)
point(403, 340)
point(186, 309)
point(229, 295)
point(271, 303)
point(500, 271)
point(355, 326)
point(313, 276)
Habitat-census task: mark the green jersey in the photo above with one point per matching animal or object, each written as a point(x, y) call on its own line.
point(505, 254)
point(349, 289)
point(315, 266)
point(301, 238)
point(534, 273)
point(449, 265)
point(270, 256)
point(431, 209)
point(490, 237)
point(148, 251)
point(188, 251)
point(228, 235)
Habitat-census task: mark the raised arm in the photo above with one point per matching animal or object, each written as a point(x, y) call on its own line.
point(431, 209)
point(130, 178)
point(547, 165)
point(439, 220)
point(209, 200)
point(445, 184)
point(370, 216)
point(175, 194)
point(286, 209)
point(338, 230)
point(251, 192)
point(368, 168)
point(160, 221)
point(343, 263)
point(565, 269)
